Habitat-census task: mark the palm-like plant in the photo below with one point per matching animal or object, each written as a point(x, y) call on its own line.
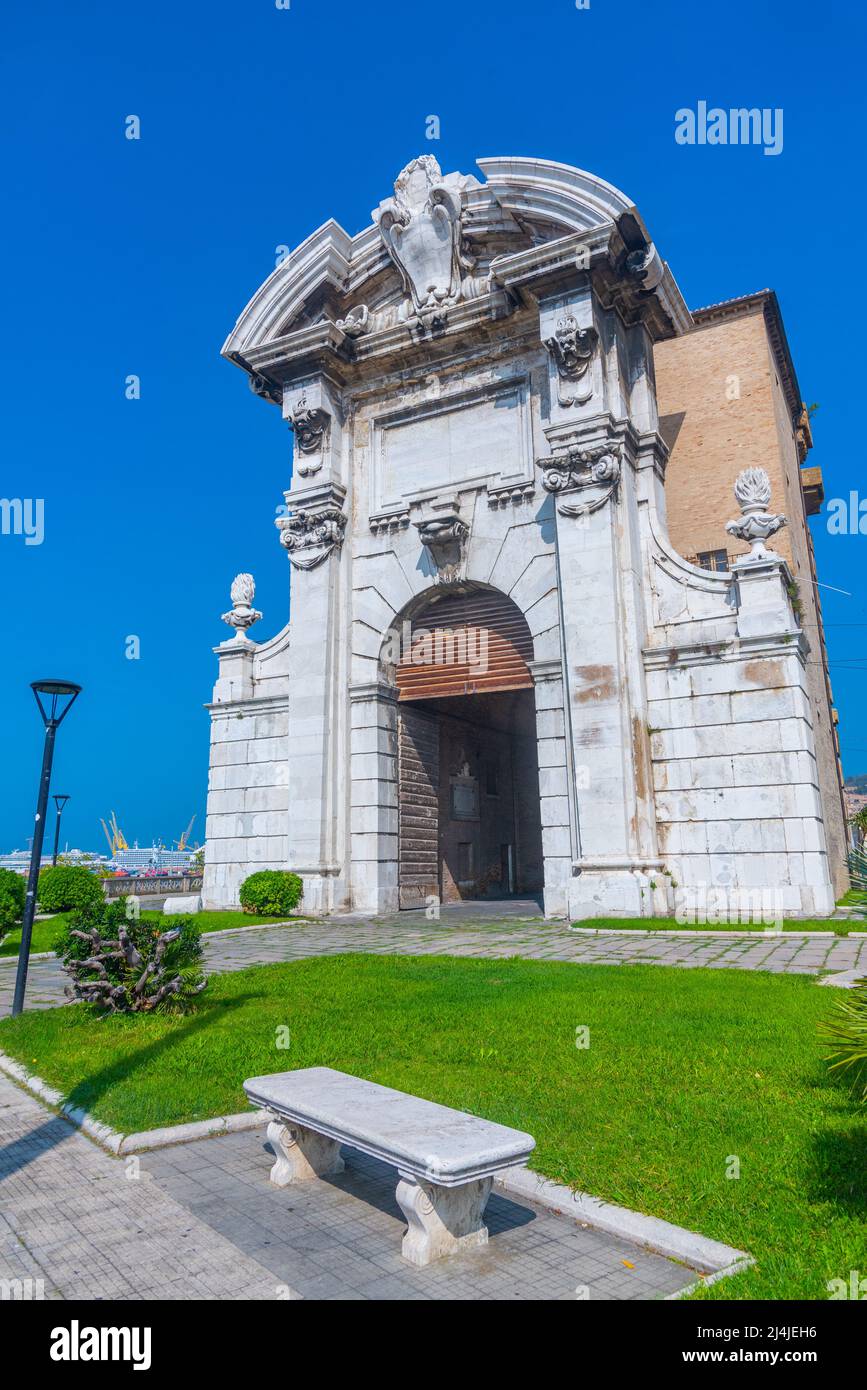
point(846, 1031)
point(858, 866)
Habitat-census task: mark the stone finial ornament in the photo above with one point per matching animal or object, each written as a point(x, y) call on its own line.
point(757, 524)
point(241, 615)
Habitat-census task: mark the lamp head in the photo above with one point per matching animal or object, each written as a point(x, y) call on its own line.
point(55, 699)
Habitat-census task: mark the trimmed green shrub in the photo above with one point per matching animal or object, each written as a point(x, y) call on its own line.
point(129, 965)
point(271, 892)
point(13, 891)
point(66, 886)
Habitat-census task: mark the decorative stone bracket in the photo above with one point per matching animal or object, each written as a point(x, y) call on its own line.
point(572, 350)
point(576, 469)
point(309, 426)
point(309, 409)
point(443, 533)
point(753, 495)
point(356, 323)
point(315, 528)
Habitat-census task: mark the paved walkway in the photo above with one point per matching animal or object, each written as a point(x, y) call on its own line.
point(201, 1221)
point(77, 1224)
point(340, 1238)
point(486, 933)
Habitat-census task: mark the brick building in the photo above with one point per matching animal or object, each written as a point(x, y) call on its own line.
point(729, 399)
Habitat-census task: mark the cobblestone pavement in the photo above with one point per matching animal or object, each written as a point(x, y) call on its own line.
point(75, 1223)
point(486, 930)
point(201, 1221)
point(340, 1238)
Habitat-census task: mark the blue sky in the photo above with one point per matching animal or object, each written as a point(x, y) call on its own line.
point(257, 124)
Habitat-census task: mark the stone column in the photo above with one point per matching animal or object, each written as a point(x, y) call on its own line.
point(374, 808)
point(556, 785)
point(312, 531)
point(592, 471)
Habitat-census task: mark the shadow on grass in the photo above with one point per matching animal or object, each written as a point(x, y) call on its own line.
point(840, 1168)
point(87, 1092)
point(839, 1156)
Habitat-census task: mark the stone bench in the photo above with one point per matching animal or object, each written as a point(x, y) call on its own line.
point(446, 1159)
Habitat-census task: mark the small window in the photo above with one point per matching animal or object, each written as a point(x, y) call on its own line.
point(465, 800)
point(712, 560)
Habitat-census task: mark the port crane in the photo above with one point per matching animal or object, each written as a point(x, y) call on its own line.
point(182, 842)
point(114, 835)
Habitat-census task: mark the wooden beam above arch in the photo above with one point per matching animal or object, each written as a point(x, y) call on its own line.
point(464, 644)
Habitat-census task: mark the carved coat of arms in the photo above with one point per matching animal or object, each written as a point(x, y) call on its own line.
point(421, 229)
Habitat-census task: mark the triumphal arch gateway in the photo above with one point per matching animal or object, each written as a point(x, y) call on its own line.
point(499, 676)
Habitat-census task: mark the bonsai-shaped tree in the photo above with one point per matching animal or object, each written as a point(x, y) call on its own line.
point(128, 965)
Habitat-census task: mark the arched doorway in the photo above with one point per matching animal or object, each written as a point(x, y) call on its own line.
point(469, 824)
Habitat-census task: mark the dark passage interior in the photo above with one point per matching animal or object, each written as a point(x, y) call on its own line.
point(468, 779)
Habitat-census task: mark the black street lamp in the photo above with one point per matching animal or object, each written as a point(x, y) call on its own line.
point(59, 803)
point(59, 699)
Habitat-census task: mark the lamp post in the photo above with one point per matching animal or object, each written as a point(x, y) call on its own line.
point(55, 699)
point(59, 803)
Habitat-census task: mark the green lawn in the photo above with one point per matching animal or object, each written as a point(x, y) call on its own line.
point(855, 897)
point(685, 1069)
point(45, 932)
point(837, 925)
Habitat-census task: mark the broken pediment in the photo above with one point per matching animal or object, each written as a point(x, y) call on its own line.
point(426, 257)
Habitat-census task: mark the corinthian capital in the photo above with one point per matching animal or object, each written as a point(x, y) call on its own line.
point(314, 528)
point(575, 469)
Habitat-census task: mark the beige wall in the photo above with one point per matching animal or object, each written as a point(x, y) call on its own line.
point(723, 408)
point(715, 437)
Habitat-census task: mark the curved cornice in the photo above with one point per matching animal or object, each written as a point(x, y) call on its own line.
point(542, 189)
point(323, 258)
point(520, 193)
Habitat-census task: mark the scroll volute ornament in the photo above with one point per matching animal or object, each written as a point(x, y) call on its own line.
point(310, 534)
point(578, 469)
point(421, 229)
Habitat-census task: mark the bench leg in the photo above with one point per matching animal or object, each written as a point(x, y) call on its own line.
point(442, 1220)
point(301, 1154)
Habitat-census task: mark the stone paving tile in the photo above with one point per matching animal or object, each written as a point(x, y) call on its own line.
point(340, 1238)
point(71, 1217)
point(489, 931)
